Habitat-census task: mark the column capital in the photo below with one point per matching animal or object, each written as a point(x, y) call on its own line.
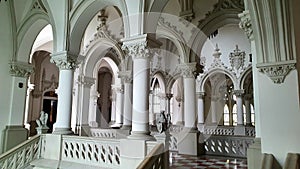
point(126, 76)
point(140, 47)
point(64, 60)
point(169, 96)
point(20, 69)
point(246, 24)
point(118, 88)
point(187, 70)
point(86, 81)
point(238, 93)
point(200, 95)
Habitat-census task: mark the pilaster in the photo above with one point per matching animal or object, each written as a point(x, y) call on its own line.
point(126, 77)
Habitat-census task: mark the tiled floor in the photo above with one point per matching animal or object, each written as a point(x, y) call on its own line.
point(188, 162)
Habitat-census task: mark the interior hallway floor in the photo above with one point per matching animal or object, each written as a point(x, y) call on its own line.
point(178, 161)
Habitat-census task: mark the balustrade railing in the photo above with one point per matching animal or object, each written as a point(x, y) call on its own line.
point(250, 131)
point(156, 159)
point(233, 146)
point(21, 155)
point(104, 152)
point(109, 133)
point(219, 130)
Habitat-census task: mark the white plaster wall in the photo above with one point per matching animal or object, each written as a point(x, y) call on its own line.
point(5, 57)
point(228, 37)
point(279, 113)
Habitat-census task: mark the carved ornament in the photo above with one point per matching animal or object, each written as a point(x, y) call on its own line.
point(20, 69)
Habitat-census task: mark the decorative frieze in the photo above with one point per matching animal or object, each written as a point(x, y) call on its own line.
point(246, 24)
point(20, 69)
point(86, 81)
point(64, 60)
point(278, 72)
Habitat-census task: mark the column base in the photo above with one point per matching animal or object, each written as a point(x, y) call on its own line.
point(13, 136)
point(63, 131)
point(141, 135)
point(126, 127)
point(85, 130)
point(200, 127)
point(254, 155)
point(116, 125)
point(188, 142)
point(179, 123)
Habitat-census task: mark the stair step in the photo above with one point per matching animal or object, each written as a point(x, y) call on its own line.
point(55, 164)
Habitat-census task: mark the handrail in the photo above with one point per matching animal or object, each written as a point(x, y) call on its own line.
point(21, 155)
point(155, 159)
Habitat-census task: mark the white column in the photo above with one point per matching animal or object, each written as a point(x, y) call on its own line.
point(239, 105)
point(189, 95)
point(152, 120)
point(214, 109)
point(180, 111)
point(138, 48)
point(168, 98)
point(113, 108)
point(119, 106)
point(200, 97)
point(247, 100)
point(127, 103)
point(85, 84)
point(93, 108)
point(162, 97)
point(66, 64)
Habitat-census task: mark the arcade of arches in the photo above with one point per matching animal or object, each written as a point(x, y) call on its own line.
point(218, 68)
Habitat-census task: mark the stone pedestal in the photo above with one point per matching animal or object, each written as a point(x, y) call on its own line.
point(188, 142)
point(14, 135)
point(42, 129)
point(132, 153)
point(254, 155)
point(239, 130)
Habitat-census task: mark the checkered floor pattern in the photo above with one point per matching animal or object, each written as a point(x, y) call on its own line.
point(210, 162)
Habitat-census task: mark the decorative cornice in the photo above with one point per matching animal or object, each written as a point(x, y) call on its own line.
point(278, 71)
point(86, 81)
point(187, 69)
point(20, 69)
point(64, 60)
point(126, 76)
point(246, 24)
